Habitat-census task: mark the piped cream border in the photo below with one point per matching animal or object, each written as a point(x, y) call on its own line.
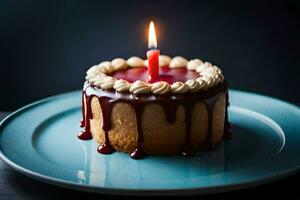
point(209, 76)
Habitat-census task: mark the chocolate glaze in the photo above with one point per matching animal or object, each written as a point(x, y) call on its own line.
point(227, 126)
point(82, 122)
point(169, 102)
point(106, 108)
point(210, 105)
point(187, 150)
point(137, 153)
point(86, 116)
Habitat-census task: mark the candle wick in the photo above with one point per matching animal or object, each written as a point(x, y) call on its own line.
point(152, 48)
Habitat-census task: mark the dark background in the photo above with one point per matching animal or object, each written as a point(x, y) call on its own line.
point(46, 46)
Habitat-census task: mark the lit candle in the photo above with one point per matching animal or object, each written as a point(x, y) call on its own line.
point(152, 55)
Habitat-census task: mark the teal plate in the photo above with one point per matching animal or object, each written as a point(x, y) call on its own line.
point(40, 141)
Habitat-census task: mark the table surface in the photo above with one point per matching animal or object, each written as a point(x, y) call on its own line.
point(14, 185)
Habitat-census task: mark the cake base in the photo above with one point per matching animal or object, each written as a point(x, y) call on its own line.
point(155, 125)
point(159, 136)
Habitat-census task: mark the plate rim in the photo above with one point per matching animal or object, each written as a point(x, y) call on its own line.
point(145, 191)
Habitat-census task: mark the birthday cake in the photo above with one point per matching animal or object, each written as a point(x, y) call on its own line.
point(184, 110)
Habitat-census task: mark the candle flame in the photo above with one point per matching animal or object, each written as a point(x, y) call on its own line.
point(152, 43)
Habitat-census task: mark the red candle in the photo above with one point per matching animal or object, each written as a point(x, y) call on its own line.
point(152, 55)
point(153, 69)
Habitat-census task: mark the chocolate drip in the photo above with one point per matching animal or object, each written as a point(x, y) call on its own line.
point(227, 126)
point(170, 109)
point(210, 105)
point(137, 153)
point(106, 108)
point(82, 122)
point(187, 150)
point(86, 134)
point(169, 102)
